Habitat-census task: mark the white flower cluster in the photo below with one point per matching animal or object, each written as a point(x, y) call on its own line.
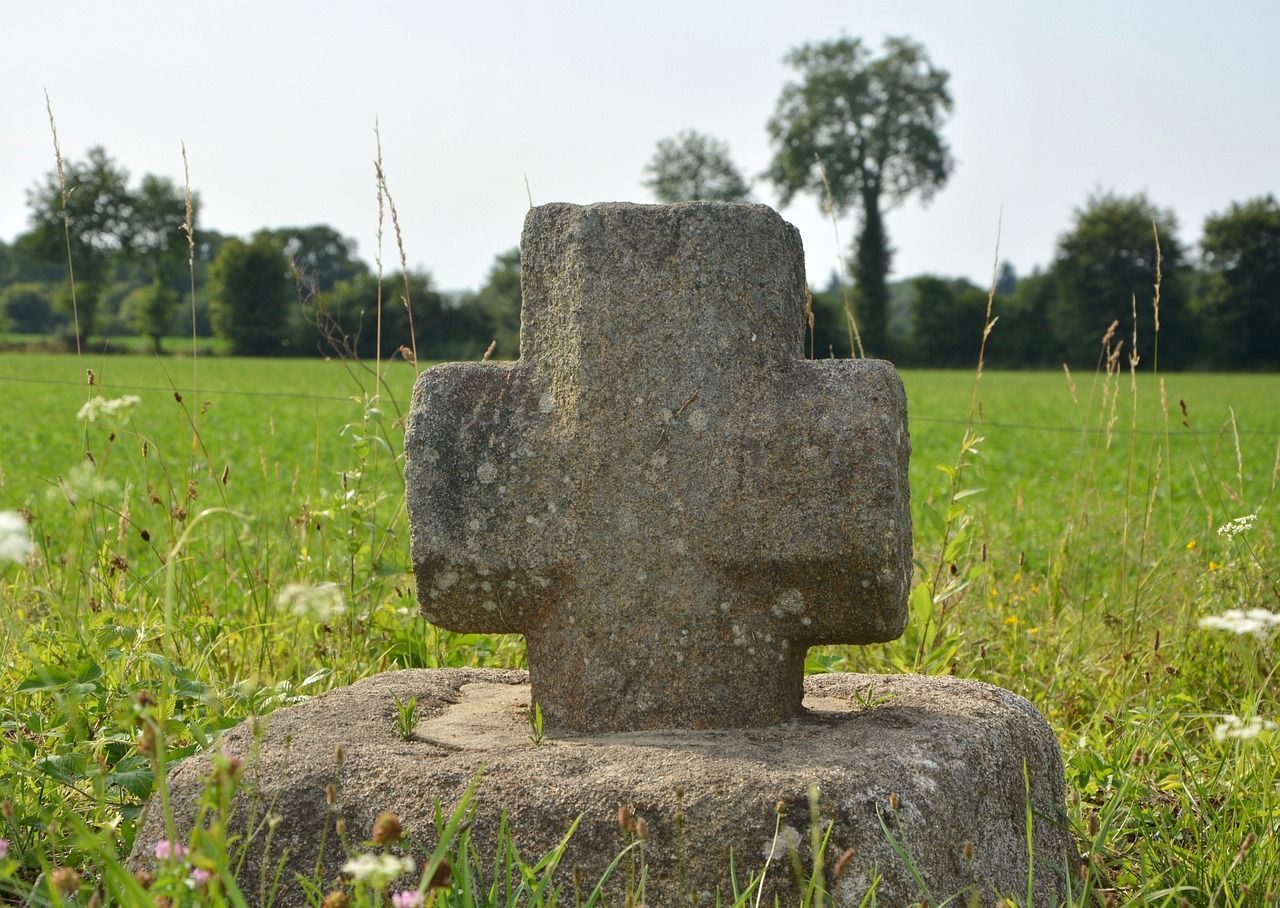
point(377, 869)
point(82, 482)
point(1242, 729)
point(1233, 528)
point(115, 411)
point(15, 537)
point(321, 602)
point(1256, 621)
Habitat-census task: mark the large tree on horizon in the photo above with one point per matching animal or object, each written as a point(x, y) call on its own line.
point(859, 132)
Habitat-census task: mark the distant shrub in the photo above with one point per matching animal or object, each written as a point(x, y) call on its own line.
point(28, 308)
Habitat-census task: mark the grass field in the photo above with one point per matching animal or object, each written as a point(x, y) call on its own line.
point(1067, 548)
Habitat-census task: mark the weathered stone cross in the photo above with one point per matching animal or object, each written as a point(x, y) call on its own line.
point(662, 494)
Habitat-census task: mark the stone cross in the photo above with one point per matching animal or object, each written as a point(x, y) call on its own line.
point(662, 494)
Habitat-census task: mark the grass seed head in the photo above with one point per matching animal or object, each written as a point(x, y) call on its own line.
point(442, 878)
point(387, 829)
point(842, 863)
point(147, 740)
point(228, 769)
point(66, 880)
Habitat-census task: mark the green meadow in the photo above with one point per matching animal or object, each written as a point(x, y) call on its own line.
point(1071, 533)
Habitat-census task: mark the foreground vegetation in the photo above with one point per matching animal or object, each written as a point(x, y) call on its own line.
point(1073, 533)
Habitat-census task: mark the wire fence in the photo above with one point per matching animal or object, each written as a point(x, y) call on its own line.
point(1180, 432)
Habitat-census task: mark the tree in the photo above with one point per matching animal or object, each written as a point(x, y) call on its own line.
point(1104, 265)
point(830, 325)
point(1241, 300)
point(1022, 338)
point(693, 167)
point(158, 244)
point(93, 216)
point(148, 309)
point(27, 308)
point(322, 255)
point(251, 295)
point(499, 302)
point(874, 123)
point(1006, 280)
point(946, 321)
point(345, 320)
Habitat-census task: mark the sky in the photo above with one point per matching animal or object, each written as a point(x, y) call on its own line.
point(484, 105)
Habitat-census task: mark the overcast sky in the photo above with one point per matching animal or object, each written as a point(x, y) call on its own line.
point(276, 102)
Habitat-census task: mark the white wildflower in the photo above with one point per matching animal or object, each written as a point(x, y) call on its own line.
point(115, 411)
point(83, 482)
point(377, 869)
point(15, 537)
point(1242, 729)
point(1233, 528)
point(320, 602)
point(1256, 621)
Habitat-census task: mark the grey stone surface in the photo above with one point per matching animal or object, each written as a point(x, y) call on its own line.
point(662, 495)
point(950, 754)
point(671, 504)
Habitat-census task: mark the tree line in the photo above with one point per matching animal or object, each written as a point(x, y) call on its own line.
point(861, 131)
point(303, 290)
point(143, 265)
point(857, 130)
point(1218, 310)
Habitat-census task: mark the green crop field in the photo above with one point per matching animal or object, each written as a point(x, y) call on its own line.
point(1067, 541)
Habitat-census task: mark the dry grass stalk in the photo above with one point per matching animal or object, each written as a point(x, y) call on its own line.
point(1235, 437)
point(189, 228)
point(66, 219)
point(1133, 443)
point(987, 323)
point(1155, 300)
point(377, 258)
point(808, 317)
point(968, 444)
point(855, 337)
point(385, 191)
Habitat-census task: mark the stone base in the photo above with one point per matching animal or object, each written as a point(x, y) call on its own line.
point(937, 762)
